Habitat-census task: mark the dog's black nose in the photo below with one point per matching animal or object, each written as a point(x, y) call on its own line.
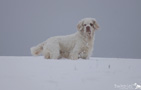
point(88, 29)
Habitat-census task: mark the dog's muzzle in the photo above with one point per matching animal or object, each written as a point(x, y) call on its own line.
point(88, 29)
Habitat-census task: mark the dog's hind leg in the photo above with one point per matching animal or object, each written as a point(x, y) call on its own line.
point(55, 55)
point(51, 55)
point(47, 55)
point(53, 52)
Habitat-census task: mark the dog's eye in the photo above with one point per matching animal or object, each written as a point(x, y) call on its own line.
point(84, 24)
point(91, 24)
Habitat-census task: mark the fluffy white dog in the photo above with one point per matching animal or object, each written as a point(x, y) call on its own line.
point(74, 46)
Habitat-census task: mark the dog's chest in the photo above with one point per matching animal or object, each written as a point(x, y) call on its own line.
point(85, 49)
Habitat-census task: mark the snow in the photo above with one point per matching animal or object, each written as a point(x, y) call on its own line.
point(37, 73)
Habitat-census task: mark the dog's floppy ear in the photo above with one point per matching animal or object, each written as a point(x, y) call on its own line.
point(96, 26)
point(80, 25)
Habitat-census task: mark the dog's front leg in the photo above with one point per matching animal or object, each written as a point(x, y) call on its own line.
point(74, 56)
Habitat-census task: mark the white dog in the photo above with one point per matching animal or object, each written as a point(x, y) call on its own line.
point(74, 46)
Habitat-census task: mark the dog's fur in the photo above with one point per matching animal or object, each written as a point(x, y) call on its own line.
point(74, 46)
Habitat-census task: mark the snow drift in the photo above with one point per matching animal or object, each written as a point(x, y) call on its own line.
point(37, 73)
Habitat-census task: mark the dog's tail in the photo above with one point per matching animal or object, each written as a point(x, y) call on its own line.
point(36, 50)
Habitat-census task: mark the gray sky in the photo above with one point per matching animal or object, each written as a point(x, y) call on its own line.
point(25, 23)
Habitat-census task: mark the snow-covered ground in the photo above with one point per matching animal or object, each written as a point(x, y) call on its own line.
point(37, 73)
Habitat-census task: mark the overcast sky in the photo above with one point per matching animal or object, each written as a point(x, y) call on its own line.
point(25, 23)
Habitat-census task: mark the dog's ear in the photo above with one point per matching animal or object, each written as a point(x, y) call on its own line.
point(96, 26)
point(80, 25)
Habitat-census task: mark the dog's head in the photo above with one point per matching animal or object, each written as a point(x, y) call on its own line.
point(87, 26)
